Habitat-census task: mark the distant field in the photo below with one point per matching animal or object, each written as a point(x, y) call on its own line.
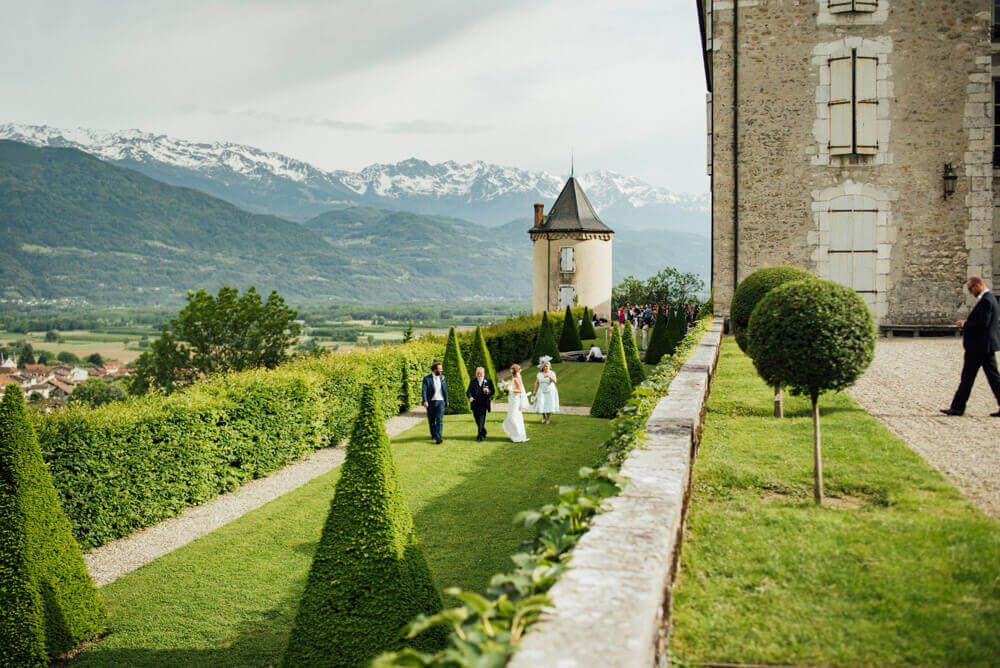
point(82, 342)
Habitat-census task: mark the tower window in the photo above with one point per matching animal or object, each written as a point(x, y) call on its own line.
point(853, 104)
point(843, 6)
point(567, 259)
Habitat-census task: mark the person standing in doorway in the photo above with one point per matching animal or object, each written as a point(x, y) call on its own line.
point(981, 340)
point(434, 393)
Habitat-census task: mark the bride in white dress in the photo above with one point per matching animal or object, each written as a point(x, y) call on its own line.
point(513, 424)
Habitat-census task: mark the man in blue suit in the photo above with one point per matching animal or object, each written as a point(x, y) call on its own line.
point(434, 393)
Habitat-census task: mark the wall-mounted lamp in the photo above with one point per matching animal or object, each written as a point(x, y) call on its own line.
point(950, 179)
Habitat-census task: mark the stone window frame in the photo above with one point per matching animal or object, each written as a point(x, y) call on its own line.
point(825, 18)
point(885, 235)
point(879, 48)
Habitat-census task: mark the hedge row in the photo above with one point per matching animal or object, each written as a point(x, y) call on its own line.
point(125, 466)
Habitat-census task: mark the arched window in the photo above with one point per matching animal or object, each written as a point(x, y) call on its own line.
point(853, 248)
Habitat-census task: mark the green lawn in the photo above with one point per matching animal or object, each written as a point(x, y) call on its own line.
point(229, 598)
point(897, 569)
point(576, 381)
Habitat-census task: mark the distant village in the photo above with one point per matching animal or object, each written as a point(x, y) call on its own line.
point(53, 384)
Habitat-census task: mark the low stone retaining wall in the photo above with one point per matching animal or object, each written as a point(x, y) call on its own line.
point(609, 606)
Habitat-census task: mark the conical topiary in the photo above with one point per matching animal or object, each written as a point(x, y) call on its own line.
point(635, 371)
point(679, 332)
point(545, 342)
point(659, 341)
point(615, 387)
point(587, 328)
point(48, 603)
point(369, 576)
point(480, 356)
point(570, 339)
point(408, 376)
point(456, 376)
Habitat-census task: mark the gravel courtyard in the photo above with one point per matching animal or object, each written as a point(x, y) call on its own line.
point(909, 381)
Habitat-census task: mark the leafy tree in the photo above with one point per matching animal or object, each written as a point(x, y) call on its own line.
point(456, 375)
point(670, 286)
point(408, 333)
point(587, 328)
point(48, 603)
point(96, 392)
point(26, 355)
point(52, 336)
point(369, 576)
point(812, 336)
point(659, 340)
point(217, 334)
point(749, 293)
point(95, 359)
point(570, 338)
point(545, 342)
point(46, 357)
point(635, 371)
point(67, 357)
point(615, 387)
point(629, 291)
point(480, 356)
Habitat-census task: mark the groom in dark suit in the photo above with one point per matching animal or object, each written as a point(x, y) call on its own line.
point(981, 340)
point(479, 392)
point(434, 393)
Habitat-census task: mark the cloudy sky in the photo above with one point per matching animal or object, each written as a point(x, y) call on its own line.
point(344, 83)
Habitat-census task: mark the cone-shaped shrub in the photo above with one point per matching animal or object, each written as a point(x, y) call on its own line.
point(659, 340)
point(545, 343)
point(369, 576)
point(48, 603)
point(587, 328)
point(456, 375)
point(676, 329)
point(635, 371)
point(408, 376)
point(615, 387)
point(480, 356)
point(570, 339)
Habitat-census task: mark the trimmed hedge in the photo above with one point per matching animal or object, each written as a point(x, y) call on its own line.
point(457, 376)
point(545, 343)
point(48, 603)
point(659, 339)
point(635, 371)
point(480, 356)
point(616, 385)
point(570, 338)
point(369, 576)
point(751, 290)
point(587, 328)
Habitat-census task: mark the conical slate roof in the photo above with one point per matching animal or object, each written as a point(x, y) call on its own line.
point(572, 212)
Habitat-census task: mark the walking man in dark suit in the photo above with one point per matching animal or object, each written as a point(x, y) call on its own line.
point(479, 392)
point(981, 340)
point(434, 393)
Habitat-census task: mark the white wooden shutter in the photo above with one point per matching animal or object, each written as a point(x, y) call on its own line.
point(708, 124)
point(567, 262)
point(852, 243)
point(841, 105)
point(865, 5)
point(567, 294)
point(865, 105)
point(843, 6)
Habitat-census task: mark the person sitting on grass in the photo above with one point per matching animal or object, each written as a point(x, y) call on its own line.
point(595, 354)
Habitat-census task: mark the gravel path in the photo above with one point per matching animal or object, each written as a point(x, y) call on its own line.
point(109, 562)
point(909, 381)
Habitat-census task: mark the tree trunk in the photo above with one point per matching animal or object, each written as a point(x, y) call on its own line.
point(779, 407)
point(817, 454)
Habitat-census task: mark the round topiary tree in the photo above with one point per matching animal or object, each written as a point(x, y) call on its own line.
point(545, 342)
point(659, 339)
point(48, 602)
point(480, 356)
point(570, 339)
point(369, 576)
point(456, 375)
point(748, 294)
point(812, 336)
point(635, 371)
point(615, 387)
point(587, 328)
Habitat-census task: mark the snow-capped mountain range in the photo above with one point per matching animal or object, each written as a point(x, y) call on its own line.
point(266, 182)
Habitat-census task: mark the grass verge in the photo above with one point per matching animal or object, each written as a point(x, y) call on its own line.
point(897, 569)
point(229, 598)
point(577, 381)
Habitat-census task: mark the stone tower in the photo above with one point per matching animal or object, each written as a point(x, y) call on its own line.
point(572, 255)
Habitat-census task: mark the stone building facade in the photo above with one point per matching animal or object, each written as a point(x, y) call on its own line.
point(830, 126)
point(571, 250)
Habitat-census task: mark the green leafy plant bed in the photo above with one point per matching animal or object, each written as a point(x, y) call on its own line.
point(485, 630)
point(230, 598)
point(896, 568)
